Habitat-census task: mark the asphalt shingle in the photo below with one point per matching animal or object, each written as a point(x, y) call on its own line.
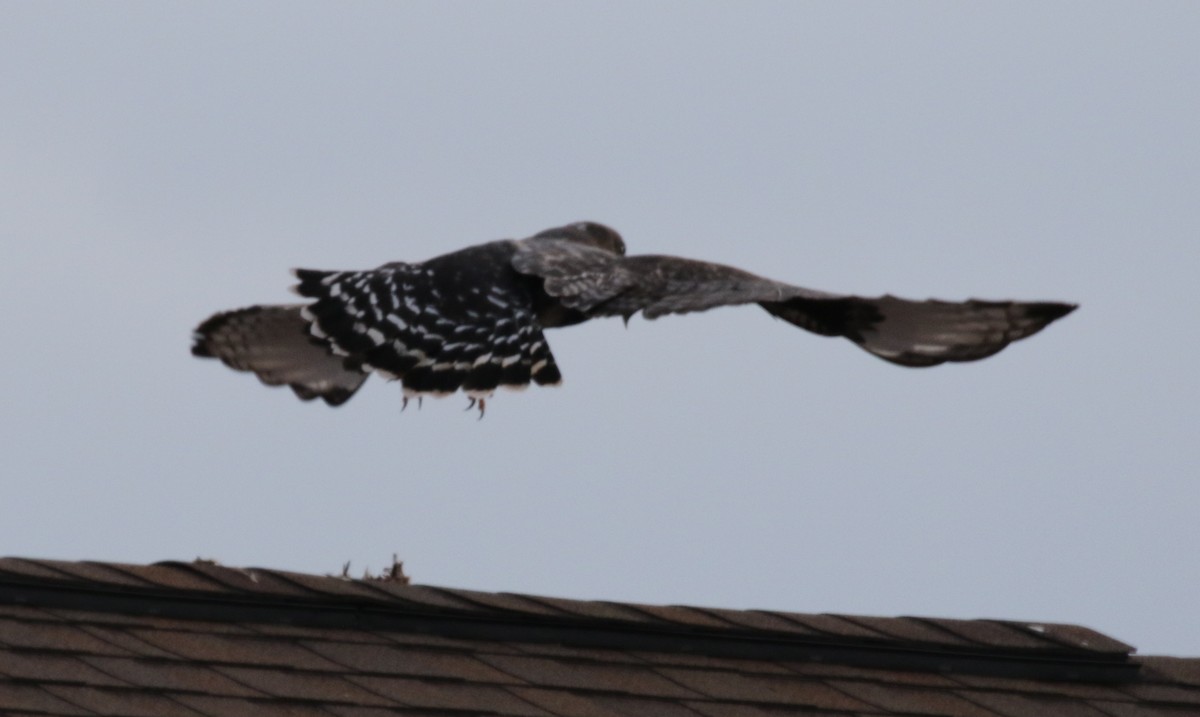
point(187, 640)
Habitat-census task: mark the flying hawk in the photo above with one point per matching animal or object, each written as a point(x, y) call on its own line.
point(473, 319)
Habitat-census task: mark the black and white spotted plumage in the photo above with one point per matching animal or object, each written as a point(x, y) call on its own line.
point(474, 319)
point(464, 320)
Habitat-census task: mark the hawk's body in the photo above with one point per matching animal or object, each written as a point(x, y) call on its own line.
point(473, 319)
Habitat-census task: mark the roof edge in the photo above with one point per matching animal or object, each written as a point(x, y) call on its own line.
point(364, 614)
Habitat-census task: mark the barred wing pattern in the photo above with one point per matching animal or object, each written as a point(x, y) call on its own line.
point(474, 319)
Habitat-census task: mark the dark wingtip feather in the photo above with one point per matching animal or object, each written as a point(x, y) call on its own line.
point(1049, 310)
point(200, 348)
point(208, 327)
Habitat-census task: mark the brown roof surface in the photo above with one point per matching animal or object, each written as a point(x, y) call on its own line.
point(200, 639)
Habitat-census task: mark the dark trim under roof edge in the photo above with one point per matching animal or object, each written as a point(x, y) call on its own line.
point(347, 613)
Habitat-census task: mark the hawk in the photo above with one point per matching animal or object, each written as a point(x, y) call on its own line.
point(473, 319)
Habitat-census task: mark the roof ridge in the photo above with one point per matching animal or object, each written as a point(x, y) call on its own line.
point(204, 590)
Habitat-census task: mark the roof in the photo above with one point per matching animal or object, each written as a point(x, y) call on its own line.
point(86, 638)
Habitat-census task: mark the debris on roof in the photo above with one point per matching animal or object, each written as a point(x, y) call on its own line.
point(85, 638)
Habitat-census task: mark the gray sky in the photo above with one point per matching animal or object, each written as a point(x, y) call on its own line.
point(161, 161)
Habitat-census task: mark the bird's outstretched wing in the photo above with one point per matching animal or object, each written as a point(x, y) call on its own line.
point(921, 333)
point(273, 342)
point(910, 333)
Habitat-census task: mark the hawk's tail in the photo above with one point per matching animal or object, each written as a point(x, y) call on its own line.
point(273, 342)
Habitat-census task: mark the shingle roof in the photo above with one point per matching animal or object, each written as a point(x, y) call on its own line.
point(80, 638)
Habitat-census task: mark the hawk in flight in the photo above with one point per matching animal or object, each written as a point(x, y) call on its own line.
point(473, 319)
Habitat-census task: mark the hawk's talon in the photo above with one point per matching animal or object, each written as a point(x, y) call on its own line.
point(480, 403)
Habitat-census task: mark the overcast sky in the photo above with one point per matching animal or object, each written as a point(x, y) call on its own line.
point(162, 161)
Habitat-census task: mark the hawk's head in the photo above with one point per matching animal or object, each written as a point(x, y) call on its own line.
point(589, 233)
